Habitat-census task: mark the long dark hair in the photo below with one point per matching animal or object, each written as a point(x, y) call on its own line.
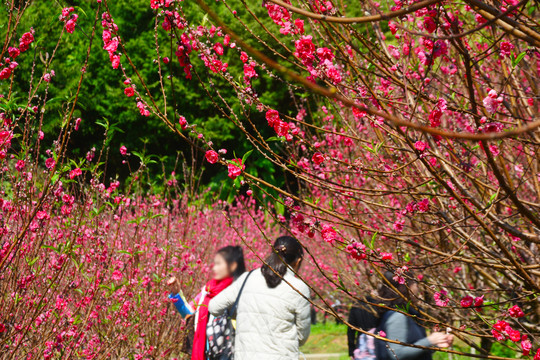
point(389, 296)
point(286, 251)
point(234, 255)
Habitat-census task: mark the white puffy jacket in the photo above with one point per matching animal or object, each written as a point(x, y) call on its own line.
point(271, 324)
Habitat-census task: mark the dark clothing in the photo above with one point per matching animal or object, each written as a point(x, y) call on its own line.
point(361, 316)
point(401, 327)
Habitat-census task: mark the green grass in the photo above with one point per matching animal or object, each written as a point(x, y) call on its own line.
point(331, 338)
point(327, 338)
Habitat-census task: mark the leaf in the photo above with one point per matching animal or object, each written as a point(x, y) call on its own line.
point(31, 262)
point(280, 208)
point(368, 149)
point(246, 156)
point(372, 244)
point(492, 198)
point(341, 284)
point(517, 60)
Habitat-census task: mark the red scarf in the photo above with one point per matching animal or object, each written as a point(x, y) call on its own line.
point(213, 287)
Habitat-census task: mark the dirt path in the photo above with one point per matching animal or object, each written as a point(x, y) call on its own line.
point(322, 356)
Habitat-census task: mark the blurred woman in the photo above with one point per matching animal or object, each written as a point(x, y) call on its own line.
point(405, 328)
point(362, 316)
point(228, 266)
point(273, 314)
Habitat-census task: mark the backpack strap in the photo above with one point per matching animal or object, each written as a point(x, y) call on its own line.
point(233, 308)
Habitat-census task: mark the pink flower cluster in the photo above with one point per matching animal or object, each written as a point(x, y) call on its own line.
point(441, 298)
point(281, 127)
point(469, 301)
point(69, 18)
point(282, 17)
point(236, 167)
point(182, 54)
point(9, 62)
point(356, 250)
point(329, 234)
point(110, 43)
point(492, 101)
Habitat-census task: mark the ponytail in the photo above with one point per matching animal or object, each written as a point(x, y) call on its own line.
point(286, 251)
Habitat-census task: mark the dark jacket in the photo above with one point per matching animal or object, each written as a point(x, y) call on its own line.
point(398, 326)
point(361, 316)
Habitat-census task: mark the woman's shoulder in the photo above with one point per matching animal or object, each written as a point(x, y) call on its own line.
point(395, 317)
point(296, 284)
point(252, 275)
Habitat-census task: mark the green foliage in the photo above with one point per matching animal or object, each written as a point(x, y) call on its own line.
point(102, 101)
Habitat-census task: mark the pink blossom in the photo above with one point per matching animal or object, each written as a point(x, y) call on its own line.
point(328, 233)
point(513, 334)
point(281, 128)
point(423, 205)
point(183, 122)
point(357, 250)
point(249, 72)
point(497, 335)
point(494, 149)
point(13, 52)
point(299, 23)
point(243, 57)
point(467, 301)
point(129, 91)
point(71, 23)
point(394, 51)
point(116, 275)
point(325, 54)
point(305, 49)
point(479, 301)
point(20, 165)
point(115, 61)
point(212, 157)
point(516, 312)
point(492, 101)
point(277, 13)
point(142, 108)
point(123, 150)
point(505, 48)
point(420, 146)
point(398, 225)
point(111, 46)
point(49, 163)
point(429, 24)
point(333, 74)
point(272, 116)
point(5, 73)
point(317, 158)
point(526, 347)
point(236, 168)
point(386, 256)
point(42, 215)
point(218, 48)
point(441, 298)
point(500, 325)
point(74, 173)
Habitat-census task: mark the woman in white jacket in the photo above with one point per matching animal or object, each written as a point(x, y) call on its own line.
point(273, 315)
